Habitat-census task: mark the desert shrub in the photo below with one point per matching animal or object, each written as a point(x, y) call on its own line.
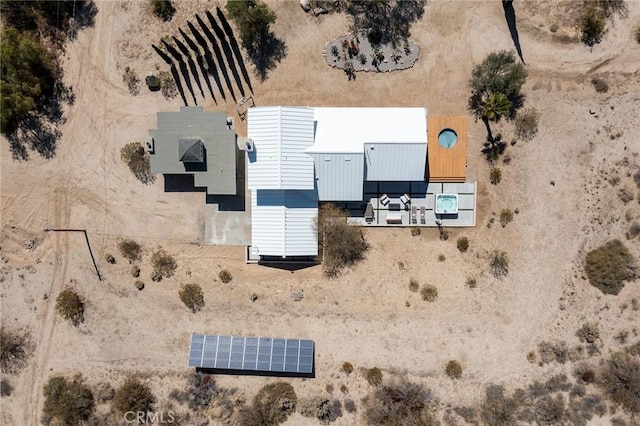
point(462, 244)
point(415, 231)
point(414, 286)
point(271, 406)
point(551, 410)
point(13, 350)
point(201, 388)
point(527, 123)
point(441, 257)
point(506, 216)
point(163, 9)
point(363, 58)
point(70, 402)
point(104, 392)
point(550, 352)
point(625, 195)
point(454, 369)
point(164, 265)
point(130, 250)
point(499, 264)
point(588, 333)
point(5, 387)
point(609, 266)
point(444, 234)
point(70, 306)
point(168, 86)
point(137, 159)
point(373, 376)
point(600, 85)
point(321, 408)
point(130, 77)
point(110, 259)
point(350, 405)
point(329, 388)
point(495, 175)
point(344, 389)
point(621, 381)
point(343, 245)
point(634, 231)
point(638, 34)
point(472, 282)
point(429, 292)
point(347, 367)
point(554, 28)
point(192, 296)
point(593, 24)
point(225, 276)
point(498, 409)
point(402, 403)
point(135, 271)
point(135, 396)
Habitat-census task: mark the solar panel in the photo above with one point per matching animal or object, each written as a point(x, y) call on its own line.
point(262, 354)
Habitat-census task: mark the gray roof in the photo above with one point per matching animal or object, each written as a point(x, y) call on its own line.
point(190, 150)
point(339, 176)
point(217, 171)
point(395, 161)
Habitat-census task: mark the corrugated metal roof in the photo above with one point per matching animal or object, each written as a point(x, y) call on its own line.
point(345, 130)
point(395, 161)
point(339, 177)
point(219, 176)
point(282, 222)
point(280, 135)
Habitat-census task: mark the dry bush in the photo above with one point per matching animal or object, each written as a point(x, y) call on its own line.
point(14, 350)
point(625, 195)
point(164, 265)
point(104, 392)
point(134, 396)
point(373, 376)
point(163, 9)
point(527, 123)
point(5, 388)
point(621, 381)
point(429, 293)
point(415, 231)
point(634, 231)
point(497, 409)
point(472, 282)
point(139, 285)
point(130, 250)
point(70, 306)
point(271, 406)
point(69, 402)
point(414, 286)
point(588, 333)
point(463, 244)
point(137, 159)
point(225, 276)
point(593, 24)
point(550, 352)
point(130, 77)
point(551, 410)
point(601, 86)
point(201, 388)
point(135, 271)
point(499, 264)
point(109, 258)
point(347, 367)
point(402, 403)
point(168, 86)
point(454, 369)
point(638, 34)
point(350, 405)
point(506, 217)
point(192, 296)
point(321, 408)
point(343, 245)
point(609, 266)
point(495, 175)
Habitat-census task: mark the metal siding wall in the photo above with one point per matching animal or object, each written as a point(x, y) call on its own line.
point(395, 162)
point(338, 179)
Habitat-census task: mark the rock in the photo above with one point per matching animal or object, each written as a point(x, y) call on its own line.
point(297, 295)
point(304, 4)
point(320, 11)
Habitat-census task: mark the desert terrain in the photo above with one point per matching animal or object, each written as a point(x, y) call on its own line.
point(559, 182)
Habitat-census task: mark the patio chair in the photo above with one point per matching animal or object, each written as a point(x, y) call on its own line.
point(414, 210)
point(406, 200)
point(384, 199)
point(423, 219)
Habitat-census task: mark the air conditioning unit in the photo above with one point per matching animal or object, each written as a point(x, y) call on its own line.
point(249, 145)
point(151, 146)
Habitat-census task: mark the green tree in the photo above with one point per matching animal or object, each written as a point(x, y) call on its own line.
point(253, 18)
point(27, 75)
point(70, 402)
point(592, 25)
point(496, 85)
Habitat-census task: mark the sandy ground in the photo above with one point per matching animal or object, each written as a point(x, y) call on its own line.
point(363, 316)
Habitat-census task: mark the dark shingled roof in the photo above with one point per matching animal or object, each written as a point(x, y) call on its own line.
point(190, 150)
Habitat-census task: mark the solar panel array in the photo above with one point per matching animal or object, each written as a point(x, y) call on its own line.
point(251, 353)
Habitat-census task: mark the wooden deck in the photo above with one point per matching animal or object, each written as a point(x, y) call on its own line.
point(447, 164)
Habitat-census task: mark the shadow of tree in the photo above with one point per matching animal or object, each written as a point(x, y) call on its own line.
point(174, 72)
point(218, 54)
point(85, 16)
point(386, 21)
point(37, 133)
point(234, 47)
point(227, 52)
point(510, 16)
point(267, 54)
